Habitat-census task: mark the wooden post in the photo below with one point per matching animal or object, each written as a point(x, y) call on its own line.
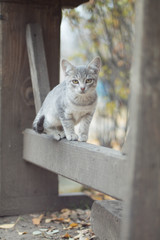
point(24, 187)
point(143, 220)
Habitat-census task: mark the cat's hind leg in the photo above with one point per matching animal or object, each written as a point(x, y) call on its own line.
point(53, 128)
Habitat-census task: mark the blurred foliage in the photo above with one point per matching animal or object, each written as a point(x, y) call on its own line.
point(105, 28)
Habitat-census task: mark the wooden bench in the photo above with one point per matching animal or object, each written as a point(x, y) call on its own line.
point(31, 184)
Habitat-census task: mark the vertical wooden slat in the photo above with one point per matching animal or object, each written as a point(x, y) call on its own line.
point(38, 65)
point(143, 219)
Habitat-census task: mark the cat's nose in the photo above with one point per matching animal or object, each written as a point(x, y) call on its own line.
point(82, 89)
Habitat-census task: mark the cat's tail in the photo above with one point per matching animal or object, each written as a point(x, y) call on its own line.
point(38, 125)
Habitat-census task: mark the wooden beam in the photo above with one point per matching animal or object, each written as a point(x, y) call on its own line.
point(98, 167)
point(143, 221)
point(71, 3)
point(64, 3)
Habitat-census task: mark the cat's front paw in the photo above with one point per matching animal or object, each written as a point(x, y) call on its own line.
point(72, 137)
point(83, 138)
point(58, 135)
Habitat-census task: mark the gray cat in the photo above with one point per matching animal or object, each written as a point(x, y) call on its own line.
point(71, 102)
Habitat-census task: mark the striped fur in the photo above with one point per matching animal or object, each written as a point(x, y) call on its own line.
point(70, 102)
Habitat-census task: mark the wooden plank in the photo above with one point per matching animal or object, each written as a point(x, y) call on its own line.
point(106, 219)
point(64, 3)
point(51, 3)
point(143, 221)
point(71, 3)
point(38, 64)
point(97, 167)
point(74, 200)
point(24, 187)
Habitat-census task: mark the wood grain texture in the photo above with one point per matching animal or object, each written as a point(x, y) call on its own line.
point(24, 187)
point(143, 221)
point(97, 167)
point(106, 219)
point(64, 3)
point(38, 65)
point(71, 3)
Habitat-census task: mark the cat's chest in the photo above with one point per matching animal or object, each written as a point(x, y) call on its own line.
point(77, 116)
point(77, 108)
point(77, 113)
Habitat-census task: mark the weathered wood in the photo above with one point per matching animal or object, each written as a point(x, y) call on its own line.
point(106, 219)
point(74, 200)
point(23, 187)
point(97, 167)
point(143, 221)
point(64, 3)
point(38, 65)
point(71, 3)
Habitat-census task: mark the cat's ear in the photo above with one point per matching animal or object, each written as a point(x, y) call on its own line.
point(95, 64)
point(67, 66)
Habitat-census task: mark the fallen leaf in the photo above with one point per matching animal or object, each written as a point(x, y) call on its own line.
point(36, 221)
point(58, 219)
point(48, 220)
point(106, 197)
point(53, 215)
point(21, 233)
point(94, 197)
point(88, 214)
point(65, 210)
point(67, 220)
point(53, 232)
point(10, 225)
point(36, 233)
point(93, 237)
point(43, 229)
point(66, 235)
point(50, 229)
point(85, 224)
point(7, 226)
point(73, 215)
point(78, 236)
point(73, 225)
point(80, 211)
point(65, 213)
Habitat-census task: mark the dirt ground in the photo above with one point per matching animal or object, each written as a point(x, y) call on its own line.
point(66, 224)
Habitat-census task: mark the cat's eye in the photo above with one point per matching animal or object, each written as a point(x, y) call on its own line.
point(75, 81)
point(89, 80)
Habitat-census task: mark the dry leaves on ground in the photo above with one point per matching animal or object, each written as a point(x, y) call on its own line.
point(95, 195)
point(37, 220)
point(74, 224)
point(65, 224)
point(9, 225)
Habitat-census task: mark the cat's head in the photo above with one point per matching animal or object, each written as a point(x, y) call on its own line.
point(82, 79)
